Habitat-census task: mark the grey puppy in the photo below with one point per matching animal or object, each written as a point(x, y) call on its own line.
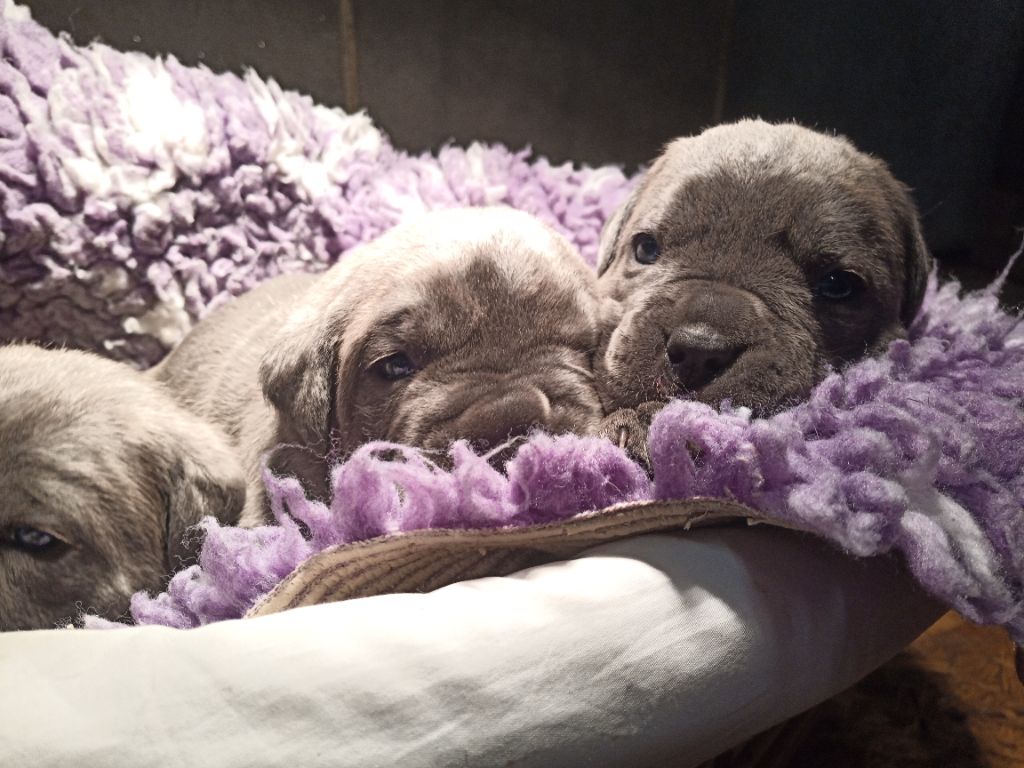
point(101, 474)
point(749, 260)
point(475, 324)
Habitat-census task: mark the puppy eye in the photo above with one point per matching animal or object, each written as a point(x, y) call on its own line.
point(838, 285)
point(33, 540)
point(395, 367)
point(645, 248)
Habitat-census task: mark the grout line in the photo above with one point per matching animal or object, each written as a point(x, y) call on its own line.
point(349, 55)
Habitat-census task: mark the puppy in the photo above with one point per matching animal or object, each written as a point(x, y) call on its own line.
point(750, 259)
point(475, 324)
point(100, 474)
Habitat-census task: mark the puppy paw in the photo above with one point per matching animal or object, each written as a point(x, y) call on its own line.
point(647, 411)
point(628, 428)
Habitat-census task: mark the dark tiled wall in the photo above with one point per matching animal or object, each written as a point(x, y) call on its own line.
point(925, 84)
point(599, 81)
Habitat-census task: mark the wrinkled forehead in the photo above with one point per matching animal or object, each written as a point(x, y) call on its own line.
point(57, 483)
point(485, 256)
point(783, 210)
point(500, 281)
point(495, 294)
point(452, 240)
point(747, 152)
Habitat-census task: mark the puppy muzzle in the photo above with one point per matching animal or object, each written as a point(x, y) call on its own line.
point(709, 327)
point(495, 426)
point(712, 342)
point(698, 354)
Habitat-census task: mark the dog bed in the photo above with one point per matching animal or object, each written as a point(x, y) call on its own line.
point(650, 651)
point(140, 194)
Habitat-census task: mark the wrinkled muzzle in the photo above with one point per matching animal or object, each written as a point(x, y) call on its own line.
point(710, 342)
point(494, 413)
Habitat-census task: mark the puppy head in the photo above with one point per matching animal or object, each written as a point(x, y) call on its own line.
point(749, 259)
point(473, 324)
point(100, 477)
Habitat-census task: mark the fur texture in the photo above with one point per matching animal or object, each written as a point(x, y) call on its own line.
point(750, 258)
point(101, 478)
point(476, 323)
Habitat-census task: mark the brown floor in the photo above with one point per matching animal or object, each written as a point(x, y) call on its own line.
point(977, 668)
point(951, 700)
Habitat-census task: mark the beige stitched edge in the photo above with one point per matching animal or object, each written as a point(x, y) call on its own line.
point(420, 561)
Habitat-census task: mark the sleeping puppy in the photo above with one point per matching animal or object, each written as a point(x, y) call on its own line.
point(750, 259)
point(475, 324)
point(100, 475)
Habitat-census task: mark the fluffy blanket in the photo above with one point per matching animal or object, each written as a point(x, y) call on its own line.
point(138, 194)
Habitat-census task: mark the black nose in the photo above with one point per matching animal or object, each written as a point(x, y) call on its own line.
point(699, 355)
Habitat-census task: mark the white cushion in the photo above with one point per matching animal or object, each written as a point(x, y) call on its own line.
point(642, 650)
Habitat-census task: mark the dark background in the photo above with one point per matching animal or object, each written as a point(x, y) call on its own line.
point(934, 87)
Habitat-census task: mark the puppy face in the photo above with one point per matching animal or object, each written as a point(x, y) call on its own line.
point(750, 258)
point(475, 324)
point(100, 476)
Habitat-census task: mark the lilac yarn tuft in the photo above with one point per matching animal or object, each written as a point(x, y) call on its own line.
point(125, 218)
point(140, 194)
point(387, 488)
point(919, 451)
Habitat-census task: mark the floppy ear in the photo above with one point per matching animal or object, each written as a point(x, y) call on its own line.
point(197, 476)
point(917, 260)
point(609, 243)
point(297, 372)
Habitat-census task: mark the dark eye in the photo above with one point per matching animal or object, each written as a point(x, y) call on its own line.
point(33, 540)
point(838, 285)
point(395, 367)
point(645, 248)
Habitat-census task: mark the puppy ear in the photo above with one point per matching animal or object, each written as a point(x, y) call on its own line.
point(297, 372)
point(296, 375)
point(197, 476)
point(917, 261)
point(612, 231)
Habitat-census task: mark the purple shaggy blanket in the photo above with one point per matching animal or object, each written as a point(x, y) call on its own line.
point(138, 194)
point(917, 452)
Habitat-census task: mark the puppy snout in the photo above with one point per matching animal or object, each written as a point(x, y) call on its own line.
point(491, 436)
point(698, 355)
point(492, 426)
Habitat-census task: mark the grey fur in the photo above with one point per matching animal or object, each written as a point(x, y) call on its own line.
point(498, 311)
point(749, 216)
point(98, 455)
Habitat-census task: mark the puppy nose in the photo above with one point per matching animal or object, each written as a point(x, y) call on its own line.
point(699, 355)
point(490, 424)
point(489, 438)
point(500, 447)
